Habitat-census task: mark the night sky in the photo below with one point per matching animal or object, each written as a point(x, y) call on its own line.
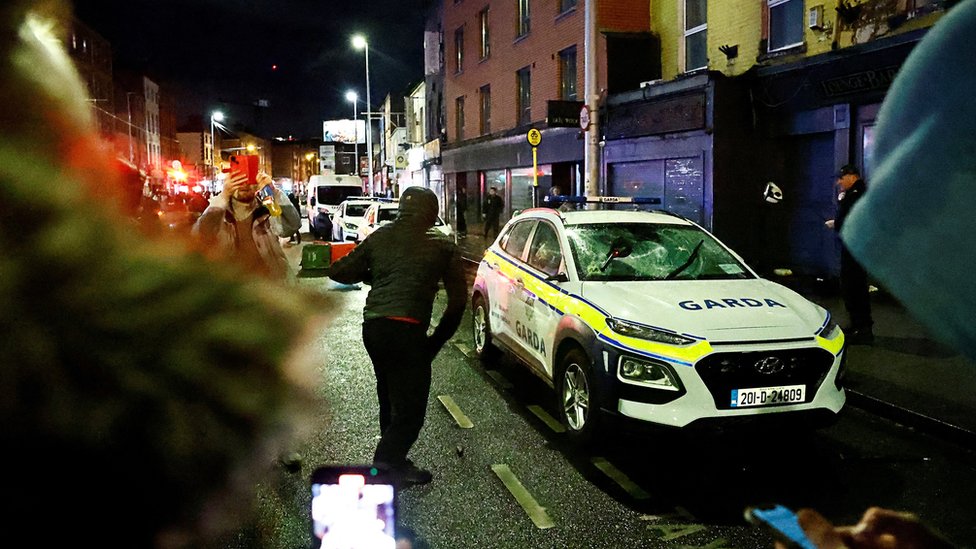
point(220, 54)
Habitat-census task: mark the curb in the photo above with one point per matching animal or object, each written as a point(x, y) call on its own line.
point(928, 425)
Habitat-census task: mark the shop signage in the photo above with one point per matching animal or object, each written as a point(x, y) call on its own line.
point(563, 114)
point(859, 82)
point(682, 113)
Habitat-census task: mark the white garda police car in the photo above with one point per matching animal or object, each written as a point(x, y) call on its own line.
point(646, 315)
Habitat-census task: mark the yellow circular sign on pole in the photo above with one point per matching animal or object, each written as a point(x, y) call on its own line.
point(534, 136)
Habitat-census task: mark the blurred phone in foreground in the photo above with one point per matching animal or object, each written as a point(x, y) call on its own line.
point(353, 507)
point(781, 523)
point(246, 163)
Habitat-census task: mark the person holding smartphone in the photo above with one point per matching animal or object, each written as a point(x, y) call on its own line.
point(237, 226)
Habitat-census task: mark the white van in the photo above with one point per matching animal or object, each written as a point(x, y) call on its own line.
point(326, 192)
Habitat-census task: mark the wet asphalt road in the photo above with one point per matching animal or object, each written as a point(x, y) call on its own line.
point(660, 490)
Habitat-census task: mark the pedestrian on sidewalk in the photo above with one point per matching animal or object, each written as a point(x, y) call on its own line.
point(853, 278)
point(296, 237)
point(403, 262)
point(494, 204)
point(460, 207)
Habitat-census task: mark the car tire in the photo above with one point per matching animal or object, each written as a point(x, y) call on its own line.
point(576, 397)
point(481, 329)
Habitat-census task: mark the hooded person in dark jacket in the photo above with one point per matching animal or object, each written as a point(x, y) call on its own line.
point(404, 262)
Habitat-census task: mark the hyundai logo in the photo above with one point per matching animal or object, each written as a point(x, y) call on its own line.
point(770, 365)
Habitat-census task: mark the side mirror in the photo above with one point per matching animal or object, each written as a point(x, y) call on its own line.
point(558, 277)
point(311, 201)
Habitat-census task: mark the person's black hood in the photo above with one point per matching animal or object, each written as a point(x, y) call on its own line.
point(418, 207)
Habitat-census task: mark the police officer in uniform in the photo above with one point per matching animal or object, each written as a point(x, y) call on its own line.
point(853, 278)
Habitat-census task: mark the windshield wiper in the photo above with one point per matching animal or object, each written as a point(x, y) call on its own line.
point(687, 263)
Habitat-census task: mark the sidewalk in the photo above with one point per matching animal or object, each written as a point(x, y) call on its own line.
point(906, 375)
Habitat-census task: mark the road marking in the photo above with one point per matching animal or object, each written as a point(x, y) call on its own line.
point(455, 411)
point(463, 347)
point(670, 532)
point(620, 478)
point(547, 419)
point(531, 507)
point(499, 379)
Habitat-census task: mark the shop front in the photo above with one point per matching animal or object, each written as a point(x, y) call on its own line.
point(815, 116)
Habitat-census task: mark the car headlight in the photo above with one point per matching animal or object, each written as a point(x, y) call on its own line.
point(654, 374)
point(830, 330)
point(350, 227)
point(631, 329)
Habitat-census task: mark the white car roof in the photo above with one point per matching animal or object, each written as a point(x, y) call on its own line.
point(609, 216)
point(357, 201)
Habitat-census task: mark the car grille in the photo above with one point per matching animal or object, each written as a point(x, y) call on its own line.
point(723, 372)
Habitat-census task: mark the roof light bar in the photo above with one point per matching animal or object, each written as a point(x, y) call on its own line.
point(602, 199)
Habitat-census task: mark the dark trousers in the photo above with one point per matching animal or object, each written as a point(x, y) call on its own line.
point(491, 223)
point(462, 224)
point(854, 288)
point(402, 367)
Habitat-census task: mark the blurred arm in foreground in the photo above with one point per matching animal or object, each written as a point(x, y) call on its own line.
point(144, 392)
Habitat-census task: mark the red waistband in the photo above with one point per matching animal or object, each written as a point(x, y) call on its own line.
point(406, 319)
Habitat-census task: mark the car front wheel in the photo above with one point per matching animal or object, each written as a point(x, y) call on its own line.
point(578, 403)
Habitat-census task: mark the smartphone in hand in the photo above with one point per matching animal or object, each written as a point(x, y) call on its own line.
point(781, 523)
point(353, 506)
point(246, 163)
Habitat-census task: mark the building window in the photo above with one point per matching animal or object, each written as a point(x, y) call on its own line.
point(485, 33)
point(459, 120)
point(567, 74)
point(785, 24)
point(485, 114)
point(458, 49)
point(566, 5)
point(696, 32)
point(523, 18)
point(523, 79)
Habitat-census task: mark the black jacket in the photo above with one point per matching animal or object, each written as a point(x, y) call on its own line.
point(844, 205)
point(404, 262)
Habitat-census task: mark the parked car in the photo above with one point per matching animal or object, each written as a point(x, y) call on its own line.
point(381, 213)
point(639, 316)
point(348, 218)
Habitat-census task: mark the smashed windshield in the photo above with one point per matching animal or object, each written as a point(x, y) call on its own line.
point(658, 252)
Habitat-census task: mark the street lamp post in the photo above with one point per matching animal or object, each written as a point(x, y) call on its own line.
point(353, 98)
point(216, 116)
point(128, 109)
point(359, 42)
